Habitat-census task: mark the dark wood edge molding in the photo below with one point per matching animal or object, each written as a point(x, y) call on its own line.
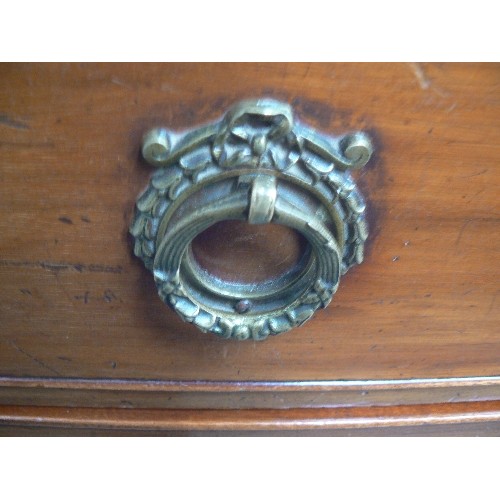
point(243, 395)
point(250, 420)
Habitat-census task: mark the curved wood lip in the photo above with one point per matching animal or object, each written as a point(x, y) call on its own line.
point(244, 386)
point(301, 419)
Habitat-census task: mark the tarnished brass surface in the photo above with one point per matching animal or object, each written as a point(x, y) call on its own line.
point(256, 165)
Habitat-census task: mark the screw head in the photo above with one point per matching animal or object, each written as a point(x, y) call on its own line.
point(243, 306)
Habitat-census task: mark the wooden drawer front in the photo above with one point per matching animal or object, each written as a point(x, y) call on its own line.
point(81, 323)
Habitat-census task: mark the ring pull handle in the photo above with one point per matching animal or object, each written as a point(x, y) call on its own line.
point(258, 165)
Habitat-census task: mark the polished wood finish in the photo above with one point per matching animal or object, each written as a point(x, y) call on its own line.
point(237, 395)
point(481, 429)
point(253, 420)
point(75, 303)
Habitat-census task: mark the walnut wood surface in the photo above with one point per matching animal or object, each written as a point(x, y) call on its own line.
point(474, 429)
point(318, 420)
point(74, 302)
point(115, 393)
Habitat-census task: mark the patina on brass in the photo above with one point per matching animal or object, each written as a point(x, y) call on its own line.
point(260, 165)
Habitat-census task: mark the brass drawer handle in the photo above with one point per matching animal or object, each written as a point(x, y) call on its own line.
point(260, 165)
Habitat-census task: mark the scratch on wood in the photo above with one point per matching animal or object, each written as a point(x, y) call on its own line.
point(462, 229)
point(476, 174)
point(36, 360)
point(308, 69)
point(422, 79)
point(11, 122)
point(60, 266)
point(119, 82)
point(426, 83)
point(492, 304)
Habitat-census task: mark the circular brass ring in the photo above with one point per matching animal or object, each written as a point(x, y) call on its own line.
point(255, 165)
point(270, 308)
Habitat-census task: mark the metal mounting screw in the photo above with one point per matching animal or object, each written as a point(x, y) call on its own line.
point(243, 306)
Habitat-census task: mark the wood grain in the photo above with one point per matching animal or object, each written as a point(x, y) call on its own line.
point(474, 429)
point(251, 420)
point(113, 393)
point(75, 303)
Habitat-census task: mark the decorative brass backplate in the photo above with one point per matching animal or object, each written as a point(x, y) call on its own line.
point(260, 165)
